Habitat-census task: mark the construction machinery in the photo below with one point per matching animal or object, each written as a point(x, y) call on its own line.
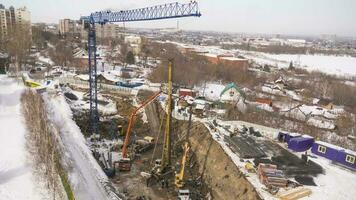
point(179, 178)
point(165, 11)
point(162, 168)
point(179, 182)
point(125, 162)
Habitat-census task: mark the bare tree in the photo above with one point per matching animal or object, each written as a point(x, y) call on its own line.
point(18, 44)
point(62, 54)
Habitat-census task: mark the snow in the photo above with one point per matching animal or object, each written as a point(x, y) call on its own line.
point(211, 91)
point(337, 182)
point(83, 77)
point(339, 65)
point(17, 179)
point(86, 177)
point(315, 110)
point(45, 60)
point(278, 90)
point(334, 65)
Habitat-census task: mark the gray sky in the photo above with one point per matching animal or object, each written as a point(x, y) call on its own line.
point(307, 17)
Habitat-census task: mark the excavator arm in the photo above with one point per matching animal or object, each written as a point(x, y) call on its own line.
point(132, 121)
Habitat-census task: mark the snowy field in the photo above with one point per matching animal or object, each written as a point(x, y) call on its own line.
point(338, 65)
point(17, 180)
point(333, 65)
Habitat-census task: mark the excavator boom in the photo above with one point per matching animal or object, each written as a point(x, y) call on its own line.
point(132, 121)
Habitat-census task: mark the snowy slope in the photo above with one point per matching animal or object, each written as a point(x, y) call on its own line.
point(17, 180)
point(86, 177)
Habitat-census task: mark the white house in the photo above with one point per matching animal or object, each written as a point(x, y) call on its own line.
point(232, 93)
point(219, 92)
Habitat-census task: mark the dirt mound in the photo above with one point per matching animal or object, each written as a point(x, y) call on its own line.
point(217, 169)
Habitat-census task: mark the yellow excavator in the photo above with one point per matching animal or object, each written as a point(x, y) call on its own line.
point(179, 177)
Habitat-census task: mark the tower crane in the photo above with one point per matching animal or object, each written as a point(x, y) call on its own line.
point(165, 11)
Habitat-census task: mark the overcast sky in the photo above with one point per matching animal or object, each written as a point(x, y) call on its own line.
point(306, 17)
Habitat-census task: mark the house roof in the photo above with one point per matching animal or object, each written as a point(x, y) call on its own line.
point(4, 55)
point(109, 77)
point(324, 102)
point(233, 85)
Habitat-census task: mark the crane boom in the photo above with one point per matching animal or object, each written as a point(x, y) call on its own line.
point(165, 11)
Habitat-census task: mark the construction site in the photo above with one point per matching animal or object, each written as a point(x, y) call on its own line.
point(132, 151)
point(104, 112)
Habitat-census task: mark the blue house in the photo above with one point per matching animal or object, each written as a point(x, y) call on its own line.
point(300, 144)
point(335, 153)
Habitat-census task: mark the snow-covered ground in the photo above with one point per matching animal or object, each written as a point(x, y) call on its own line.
point(17, 179)
point(335, 65)
point(337, 183)
point(86, 177)
point(339, 65)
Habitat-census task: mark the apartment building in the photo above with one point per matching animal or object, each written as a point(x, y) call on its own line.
point(11, 17)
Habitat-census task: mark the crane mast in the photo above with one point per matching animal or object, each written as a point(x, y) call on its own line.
point(165, 11)
point(93, 88)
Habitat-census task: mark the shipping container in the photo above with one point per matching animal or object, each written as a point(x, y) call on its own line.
point(335, 153)
point(300, 144)
point(285, 136)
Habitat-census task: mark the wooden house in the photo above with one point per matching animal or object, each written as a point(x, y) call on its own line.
point(265, 101)
point(183, 92)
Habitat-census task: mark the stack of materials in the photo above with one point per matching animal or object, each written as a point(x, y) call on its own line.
point(271, 176)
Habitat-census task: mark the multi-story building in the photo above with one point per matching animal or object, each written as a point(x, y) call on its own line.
point(11, 17)
point(69, 27)
point(22, 16)
point(108, 31)
point(77, 27)
point(63, 26)
point(3, 24)
point(104, 31)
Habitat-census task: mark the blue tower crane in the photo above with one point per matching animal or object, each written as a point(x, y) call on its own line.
point(165, 11)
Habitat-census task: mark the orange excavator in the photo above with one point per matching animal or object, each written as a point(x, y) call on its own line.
point(125, 162)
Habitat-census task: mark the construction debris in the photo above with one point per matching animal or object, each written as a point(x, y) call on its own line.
point(270, 176)
point(295, 194)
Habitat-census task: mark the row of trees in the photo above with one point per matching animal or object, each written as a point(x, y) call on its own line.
point(191, 69)
point(62, 53)
point(17, 43)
